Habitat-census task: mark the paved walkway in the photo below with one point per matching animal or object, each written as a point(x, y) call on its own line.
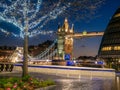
point(68, 83)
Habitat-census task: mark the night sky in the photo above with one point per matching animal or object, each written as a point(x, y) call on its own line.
point(85, 46)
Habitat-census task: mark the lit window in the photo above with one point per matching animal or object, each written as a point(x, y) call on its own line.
point(84, 32)
point(58, 30)
point(107, 48)
point(66, 30)
point(117, 15)
point(118, 47)
point(71, 31)
point(115, 47)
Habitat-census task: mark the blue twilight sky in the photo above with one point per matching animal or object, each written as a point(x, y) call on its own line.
point(85, 46)
point(90, 46)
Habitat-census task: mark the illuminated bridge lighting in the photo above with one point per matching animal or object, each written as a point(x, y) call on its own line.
point(88, 34)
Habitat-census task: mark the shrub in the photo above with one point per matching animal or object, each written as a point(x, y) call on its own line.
point(8, 85)
point(13, 80)
point(26, 78)
point(25, 83)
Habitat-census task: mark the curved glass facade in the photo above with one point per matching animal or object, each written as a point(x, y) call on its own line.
point(110, 46)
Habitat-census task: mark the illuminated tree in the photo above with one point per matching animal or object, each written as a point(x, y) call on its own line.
point(30, 16)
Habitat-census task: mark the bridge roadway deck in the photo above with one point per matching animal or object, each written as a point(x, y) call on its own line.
point(69, 70)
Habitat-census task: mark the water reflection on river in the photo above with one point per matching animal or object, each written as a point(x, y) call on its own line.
point(85, 83)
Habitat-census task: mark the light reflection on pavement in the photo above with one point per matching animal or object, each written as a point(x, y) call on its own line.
point(70, 83)
point(84, 84)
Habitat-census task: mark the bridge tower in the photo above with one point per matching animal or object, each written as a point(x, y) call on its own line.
point(65, 44)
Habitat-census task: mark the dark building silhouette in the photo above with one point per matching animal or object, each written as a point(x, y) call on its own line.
point(110, 46)
point(5, 52)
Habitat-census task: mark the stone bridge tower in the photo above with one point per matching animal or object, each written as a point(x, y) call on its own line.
point(65, 44)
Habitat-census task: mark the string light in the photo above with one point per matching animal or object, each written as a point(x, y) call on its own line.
point(14, 12)
point(38, 15)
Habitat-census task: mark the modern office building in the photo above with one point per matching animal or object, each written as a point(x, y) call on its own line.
point(110, 46)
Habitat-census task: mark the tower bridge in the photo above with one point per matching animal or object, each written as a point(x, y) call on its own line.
point(66, 36)
point(64, 50)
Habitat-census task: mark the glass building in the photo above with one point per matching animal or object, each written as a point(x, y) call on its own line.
point(109, 49)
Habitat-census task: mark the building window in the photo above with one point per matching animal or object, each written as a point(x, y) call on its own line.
point(116, 47)
point(117, 15)
point(108, 48)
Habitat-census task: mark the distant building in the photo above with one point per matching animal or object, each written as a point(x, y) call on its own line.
point(8, 52)
point(110, 46)
point(5, 52)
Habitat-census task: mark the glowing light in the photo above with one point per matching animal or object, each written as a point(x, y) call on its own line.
point(14, 13)
point(84, 32)
point(66, 30)
point(117, 15)
point(71, 31)
point(74, 61)
point(108, 48)
point(58, 30)
point(47, 60)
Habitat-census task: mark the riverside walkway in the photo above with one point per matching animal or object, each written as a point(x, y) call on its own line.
point(69, 70)
point(70, 83)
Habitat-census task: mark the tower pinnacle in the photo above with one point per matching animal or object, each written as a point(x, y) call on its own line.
point(72, 28)
point(66, 25)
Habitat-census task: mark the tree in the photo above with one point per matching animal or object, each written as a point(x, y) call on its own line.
point(32, 15)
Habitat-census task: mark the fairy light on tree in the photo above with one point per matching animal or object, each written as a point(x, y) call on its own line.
point(41, 12)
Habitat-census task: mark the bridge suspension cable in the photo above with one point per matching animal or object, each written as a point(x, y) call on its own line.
point(47, 54)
